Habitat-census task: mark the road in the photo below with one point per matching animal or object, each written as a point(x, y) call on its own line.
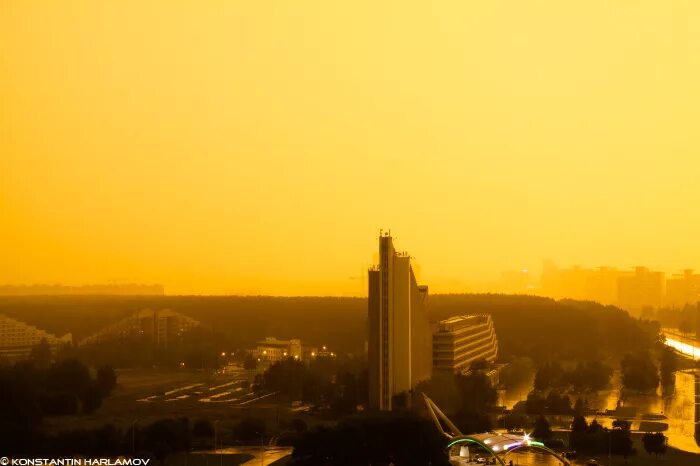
point(270, 455)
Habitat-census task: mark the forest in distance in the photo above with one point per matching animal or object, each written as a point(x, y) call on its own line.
point(529, 326)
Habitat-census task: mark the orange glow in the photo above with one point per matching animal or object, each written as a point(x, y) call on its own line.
point(257, 148)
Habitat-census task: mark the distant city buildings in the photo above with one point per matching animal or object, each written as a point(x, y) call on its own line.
point(18, 338)
point(272, 350)
point(62, 290)
point(637, 290)
point(516, 282)
point(160, 326)
point(641, 289)
point(461, 340)
point(682, 289)
point(399, 337)
point(580, 283)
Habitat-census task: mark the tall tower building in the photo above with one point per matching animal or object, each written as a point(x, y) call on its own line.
point(399, 343)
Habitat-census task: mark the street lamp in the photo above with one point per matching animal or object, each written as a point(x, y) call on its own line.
point(262, 449)
point(215, 427)
point(133, 436)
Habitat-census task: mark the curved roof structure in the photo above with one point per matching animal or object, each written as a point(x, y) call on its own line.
point(499, 445)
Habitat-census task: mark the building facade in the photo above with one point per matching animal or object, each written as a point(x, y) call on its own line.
point(641, 289)
point(272, 350)
point(461, 340)
point(17, 339)
point(399, 339)
point(682, 289)
point(160, 326)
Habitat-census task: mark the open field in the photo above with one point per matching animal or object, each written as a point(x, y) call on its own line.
point(143, 396)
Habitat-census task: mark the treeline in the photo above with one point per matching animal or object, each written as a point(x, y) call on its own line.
point(584, 377)
point(684, 319)
point(240, 320)
point(468, 400)
point(546, 330)
point(593, 438)
point(402, 439)
point(29, 393)
point(200, 348)
point(527, 326)
point(158, 439)
point(340, 385)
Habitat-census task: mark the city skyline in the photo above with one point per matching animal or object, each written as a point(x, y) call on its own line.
point(240, 149)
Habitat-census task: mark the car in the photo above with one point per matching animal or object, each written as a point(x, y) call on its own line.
point(592, 462)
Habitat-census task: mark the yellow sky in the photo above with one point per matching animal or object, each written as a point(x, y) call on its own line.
point(258, 146)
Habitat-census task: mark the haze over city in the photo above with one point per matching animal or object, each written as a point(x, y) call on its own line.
point(349, 233)
point(240, 148)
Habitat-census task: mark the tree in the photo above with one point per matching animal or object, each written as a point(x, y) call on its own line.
point(58, 403)
point(249, 429)
point(517, 372)
point(92, 398)
point(476, 392)
point(669, 365)
point(639, 372)
point(542, 430)
point(166, 436)
point(203, 428)
point(70, 375)
point(581, 406)
point(620, 438)
point(299, 425)
point(479, 365)
point(557, 403)
point(442, 389)
point(250, 363)
point(512, 421)
point(549, 375)
point(286, 377)
point(41, 354)
point(685, 327)
point(579, 424)
point(654, 443)
point(398, 438)
point(535, 403)
point(106, 379)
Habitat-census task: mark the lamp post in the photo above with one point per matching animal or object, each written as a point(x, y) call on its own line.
point(262, 449)
point(133, 436)
point(216, 449)
point(216, 423)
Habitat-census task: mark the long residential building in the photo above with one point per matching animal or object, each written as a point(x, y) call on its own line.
point(17, 339)
point(160, 326)
point(461, 340)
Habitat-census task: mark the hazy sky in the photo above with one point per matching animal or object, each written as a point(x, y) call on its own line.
point(259, 146)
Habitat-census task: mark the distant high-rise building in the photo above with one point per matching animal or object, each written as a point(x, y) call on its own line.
point(516, 282)
point(682, 289)
point(642, 289)
point(635, 290)
point(580, 283)
point(399, 338)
